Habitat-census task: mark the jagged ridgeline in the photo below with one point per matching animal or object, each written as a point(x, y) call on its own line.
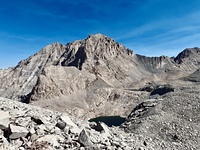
point(50, 72)
point(157, 98)
point(93, 68)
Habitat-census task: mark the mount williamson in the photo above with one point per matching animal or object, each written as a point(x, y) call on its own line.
point(87, 73)
point(97, 76)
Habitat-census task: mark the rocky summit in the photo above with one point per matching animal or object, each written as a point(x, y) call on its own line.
point(48, 98)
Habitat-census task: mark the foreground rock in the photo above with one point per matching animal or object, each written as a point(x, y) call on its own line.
point(17, 132)
point(4, 120)
point(31, 127)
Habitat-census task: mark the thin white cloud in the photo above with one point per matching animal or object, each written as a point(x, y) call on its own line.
point(29, 38)
point(52, 15)
point(166, 46)
point(189, 22)
point(175, 35)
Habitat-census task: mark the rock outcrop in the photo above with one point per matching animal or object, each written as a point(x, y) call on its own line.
point(189, 59)
point(18, 82)
point(194, 77)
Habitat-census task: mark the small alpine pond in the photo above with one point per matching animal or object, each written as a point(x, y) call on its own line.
point(109, 120)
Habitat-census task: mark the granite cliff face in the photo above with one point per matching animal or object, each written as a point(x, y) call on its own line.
point(95, 77)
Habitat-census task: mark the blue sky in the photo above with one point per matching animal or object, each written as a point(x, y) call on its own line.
point(148, 27)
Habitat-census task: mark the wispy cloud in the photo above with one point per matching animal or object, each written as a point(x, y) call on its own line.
point(30, 38)
point(169, 45)
point(165, 35)
point(51, 15)
point(184, 23)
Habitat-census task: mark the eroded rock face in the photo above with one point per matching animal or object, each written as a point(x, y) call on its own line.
point(88, 69)
point(58, 81)
point(96, 55)
point(19, 81)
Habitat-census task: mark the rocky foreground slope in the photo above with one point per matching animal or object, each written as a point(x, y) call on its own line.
point(168, 121)
point(28, 127)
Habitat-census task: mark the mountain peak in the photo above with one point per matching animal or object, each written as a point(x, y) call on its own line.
point(100, 38)
point(98, 35)
point(93, 48)
point(99, 55)
point(187, 53)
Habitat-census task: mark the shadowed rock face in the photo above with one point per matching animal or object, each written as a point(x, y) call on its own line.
point(95, 55)
point(79, 59)
point(188, 53)
point(194, 77)
point(156, 64)
point(189, 60)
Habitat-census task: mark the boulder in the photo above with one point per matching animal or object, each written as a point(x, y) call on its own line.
point(105, 132)
point(67, 120)
point(61, 125)
point(4, 120)
point(92, 125)
point(101, 127)
point(75, 130)
point(23, 121)
point(16, 132)
point(51, 139)
point(84, 138)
